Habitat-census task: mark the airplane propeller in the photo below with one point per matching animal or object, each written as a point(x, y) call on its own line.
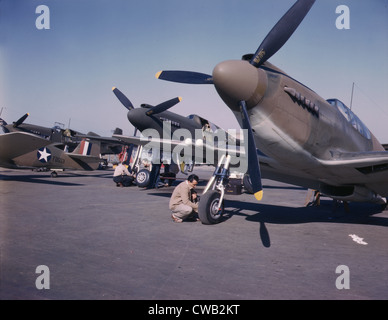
point(163, 106)
point(253, 162)
point(281, 32)
point(152, 110)
point(271, 44)
point(189, 77)
point(123, 99)
point(20, 121)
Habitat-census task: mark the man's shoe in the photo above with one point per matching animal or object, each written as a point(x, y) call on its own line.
point(176, 219)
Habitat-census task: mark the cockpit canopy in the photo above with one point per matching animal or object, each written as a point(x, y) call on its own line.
point(351, 118)
point(205, 124)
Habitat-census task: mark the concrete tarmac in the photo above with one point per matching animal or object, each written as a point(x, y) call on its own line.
point(103, 242)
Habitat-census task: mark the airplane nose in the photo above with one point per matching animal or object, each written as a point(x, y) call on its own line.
point(238, 80)
point(130, 117)
point(136, 118)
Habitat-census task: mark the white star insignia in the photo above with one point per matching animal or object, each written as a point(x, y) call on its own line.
point(44, 155)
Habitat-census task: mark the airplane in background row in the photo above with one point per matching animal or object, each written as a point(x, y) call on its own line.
point(293, 135)
point(166, 123)
point(29, 146)
point(163, 123)
point(55, 134)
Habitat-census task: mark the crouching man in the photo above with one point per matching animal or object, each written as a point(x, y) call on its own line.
point(183, 202)
point(122, 177)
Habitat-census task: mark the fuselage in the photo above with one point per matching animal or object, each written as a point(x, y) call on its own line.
point(165, 123)
point(55, 135)
point(294, 128)
point(169, 125)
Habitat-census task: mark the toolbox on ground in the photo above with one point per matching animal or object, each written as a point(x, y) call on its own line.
point(234, 187)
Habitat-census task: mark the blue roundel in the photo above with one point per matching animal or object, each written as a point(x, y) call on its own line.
point(44, 155)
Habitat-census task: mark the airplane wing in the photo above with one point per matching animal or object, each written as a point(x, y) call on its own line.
point(198, 150)
point(371, 166)
point(134, 140)
point(15, 144)
point(101, 139)
point(169, 144)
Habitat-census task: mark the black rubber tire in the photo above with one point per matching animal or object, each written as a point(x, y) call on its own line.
point(143, 178)
point(206, 209)
point(247, 184)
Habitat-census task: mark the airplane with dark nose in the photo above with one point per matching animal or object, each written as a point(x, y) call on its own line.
point(159, 118)
point(164, 124)
point(162, 130)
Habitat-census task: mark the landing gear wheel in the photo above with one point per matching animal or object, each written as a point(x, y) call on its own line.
point(207, 210)
point(247, 184)
point(143, 178)
point(54, 174)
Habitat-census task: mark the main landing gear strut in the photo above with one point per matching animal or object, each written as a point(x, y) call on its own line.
point(211, 206)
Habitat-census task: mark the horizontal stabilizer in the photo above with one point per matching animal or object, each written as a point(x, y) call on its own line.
point(87, 154)
point(87, 159)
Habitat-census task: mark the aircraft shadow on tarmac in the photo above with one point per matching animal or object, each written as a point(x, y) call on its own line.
point(39, 179)
point(161, 194)
point(359, 213)
point(45, 178)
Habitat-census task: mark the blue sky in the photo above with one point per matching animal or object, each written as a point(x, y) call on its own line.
point(67, 72)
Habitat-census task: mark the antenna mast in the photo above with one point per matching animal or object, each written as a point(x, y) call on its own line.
point(351, 98)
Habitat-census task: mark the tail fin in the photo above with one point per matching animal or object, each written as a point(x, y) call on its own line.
point(87, 148)
point(87, 155)
point(3, 129)
point(2, 122)
point(118, 131)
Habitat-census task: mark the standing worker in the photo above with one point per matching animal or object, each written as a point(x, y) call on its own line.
point(183, 202)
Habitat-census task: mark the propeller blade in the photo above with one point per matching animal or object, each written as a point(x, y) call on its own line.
point(253, 162)
point(185, 77)
point(163, 106)
point(281, 32)
point(123, 99)
point(20, 121)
